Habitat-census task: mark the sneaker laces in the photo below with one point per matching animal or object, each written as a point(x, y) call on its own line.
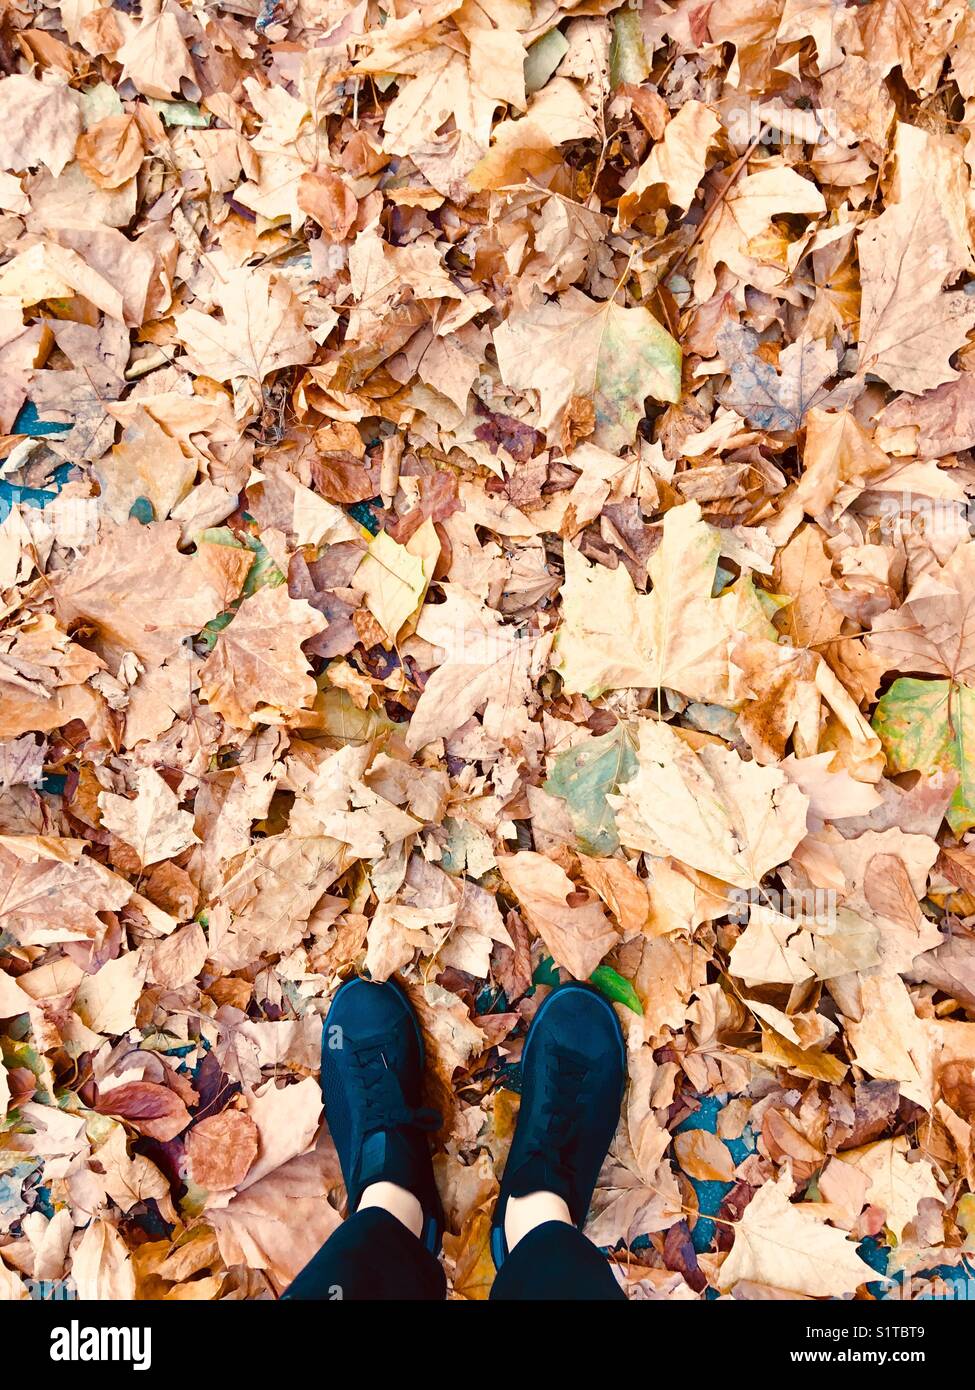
point(384, 1106)
point(562, 1111)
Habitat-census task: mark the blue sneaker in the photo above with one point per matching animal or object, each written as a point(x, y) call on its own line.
point(573, 1075)
point(372, 1076)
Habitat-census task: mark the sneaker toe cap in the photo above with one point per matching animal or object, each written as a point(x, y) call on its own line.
point(363, 1008)
point(577, 1017)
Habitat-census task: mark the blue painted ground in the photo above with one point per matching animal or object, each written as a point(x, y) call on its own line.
point(29, 422)
point(710, 1195)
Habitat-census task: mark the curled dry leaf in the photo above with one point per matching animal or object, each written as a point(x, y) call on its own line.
point(151, 1109)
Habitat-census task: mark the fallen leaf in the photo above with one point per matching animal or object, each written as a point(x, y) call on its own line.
point(286, 1119)
point(924, 726)
point(151, 822)
point(110, 151)
point(392, 581)
point(260, 330)
point(786, 1247)
point(577, 936)
point(584, 776)
point(150, 1108)
point(676, 164)
point(39, 123)
point(677, 636)
point(257, 670)
point(220, 1150)
point(890, 1042)
point(141, 594)
point(767, 398)
point(614, 356)
point(893, 1184)
point(101, 1266)
point(910, 322)
point(711, 810)
point(280, 1222)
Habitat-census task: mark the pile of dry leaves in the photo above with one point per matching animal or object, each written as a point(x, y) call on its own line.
point(511, 507)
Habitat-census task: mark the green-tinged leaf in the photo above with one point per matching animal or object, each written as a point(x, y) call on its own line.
point(100, 102)
point(966, 1213)
point(584, 776)
point(194, 1199)
point(627, 53)
point(219, 535)
point(636, 358)
point(184, 113)
point(468, 849)
point(341, 720)
point(546, 973)
point(25, 1055)
point(577, 347)
point(929, 726)
point(769, 398)
point(612, 984)
point(771, 604)
point(543, 58)
point(214, 627)
point(264, 570)
point(263, 573)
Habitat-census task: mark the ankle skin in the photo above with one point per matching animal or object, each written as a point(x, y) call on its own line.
point(389, 1196)
point(523, 1214)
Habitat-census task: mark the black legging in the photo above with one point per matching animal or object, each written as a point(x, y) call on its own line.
point(372, 1255)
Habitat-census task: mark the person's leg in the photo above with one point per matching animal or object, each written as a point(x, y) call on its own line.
point(573, 1071)
point(371, 1256)
point(556, 1261)
point(372, 1075)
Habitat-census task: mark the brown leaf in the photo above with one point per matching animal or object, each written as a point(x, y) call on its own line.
point(327, 198)
point(703, 1156)
point(910, 322)
point(150, 1108)
point(101, 1265)
point(578, 935)
point(257, 670)
point(141, 594)
point(260, 330)
point(39, 123)
point(151, 822)
point(280, 1222)
point(110, 151)
point(221, 1149)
